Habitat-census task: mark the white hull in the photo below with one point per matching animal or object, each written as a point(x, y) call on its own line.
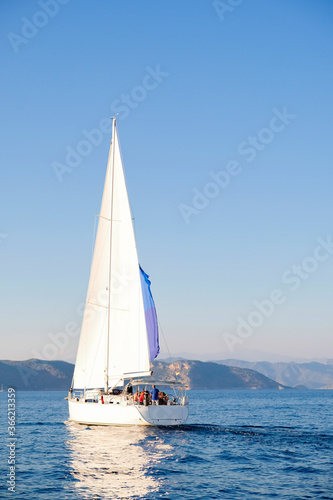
point(90, 413)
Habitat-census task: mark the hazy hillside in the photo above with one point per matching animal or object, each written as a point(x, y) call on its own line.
point(227, 374)
point(311, 375)
point(205, 375)
point(35, 374)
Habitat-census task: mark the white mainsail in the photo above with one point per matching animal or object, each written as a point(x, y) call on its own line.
point(113, 342)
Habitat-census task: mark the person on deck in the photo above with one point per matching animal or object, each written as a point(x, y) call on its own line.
point(129, 388)
point(154, 395)
point(142, 395)
point(162, 398)
point(136, 396)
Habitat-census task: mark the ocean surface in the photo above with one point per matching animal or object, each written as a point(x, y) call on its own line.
point(235, 445)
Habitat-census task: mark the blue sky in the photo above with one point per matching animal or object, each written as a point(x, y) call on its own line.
point(196, 85)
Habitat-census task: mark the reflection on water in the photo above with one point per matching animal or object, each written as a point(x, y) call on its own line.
point(114, 462)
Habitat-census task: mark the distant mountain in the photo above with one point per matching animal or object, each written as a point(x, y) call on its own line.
point(208, 375)
point(311, 375)
point(34, 374)
point(38, 375)
point(242, 355)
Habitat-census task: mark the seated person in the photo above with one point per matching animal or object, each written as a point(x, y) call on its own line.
point(142, 395)
point(163, 398)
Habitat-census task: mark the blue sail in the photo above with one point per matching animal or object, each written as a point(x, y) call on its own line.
point(151, 317)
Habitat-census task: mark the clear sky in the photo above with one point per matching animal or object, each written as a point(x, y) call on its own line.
point(225, 122)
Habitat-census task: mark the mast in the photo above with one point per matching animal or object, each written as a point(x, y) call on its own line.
point(106, 381)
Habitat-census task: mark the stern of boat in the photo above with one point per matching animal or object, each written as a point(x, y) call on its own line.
point(164, 415)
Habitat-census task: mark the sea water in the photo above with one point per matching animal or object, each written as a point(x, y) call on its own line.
point(235, 445)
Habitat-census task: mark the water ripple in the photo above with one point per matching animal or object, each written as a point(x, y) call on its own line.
point(236, 445)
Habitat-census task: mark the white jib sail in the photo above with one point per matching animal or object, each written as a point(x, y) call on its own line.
point(113, 334)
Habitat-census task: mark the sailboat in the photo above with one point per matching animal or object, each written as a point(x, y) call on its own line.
point(112, 382)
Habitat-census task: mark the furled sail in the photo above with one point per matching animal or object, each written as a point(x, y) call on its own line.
point(113, 337)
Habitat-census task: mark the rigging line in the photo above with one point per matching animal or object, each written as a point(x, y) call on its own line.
point(166, 344)
point(95, 304)
point(112, 160)
point(133, 223)
point(128, 197)
point(91, 261)
point(93, 241)
point(85, 342)
point(164, 339)
point(101, 216)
